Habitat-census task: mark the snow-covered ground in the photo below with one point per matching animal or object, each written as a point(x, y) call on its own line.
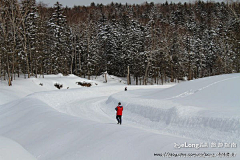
point(194, 117)
point(10, 150)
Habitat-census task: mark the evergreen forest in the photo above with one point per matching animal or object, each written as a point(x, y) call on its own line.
point(156, 43)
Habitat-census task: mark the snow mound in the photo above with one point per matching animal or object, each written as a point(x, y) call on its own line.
point(211, 92)
point(205, 109)
point(48, 134)
point(11, 150)
point(22, 87)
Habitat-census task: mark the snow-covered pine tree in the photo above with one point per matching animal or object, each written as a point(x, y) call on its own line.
point(59, 33)
point(41, 40)
point(234, 36)
point(125, 45)
point(77, 49)
point(136, 37)
point(92, 60)
point(31, 19)
point(108, 38)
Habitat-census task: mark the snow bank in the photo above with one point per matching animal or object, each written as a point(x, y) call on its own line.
point(49, 134)
point(187, 109)
point(10, 150)
point(22, 87)
point(212, 92)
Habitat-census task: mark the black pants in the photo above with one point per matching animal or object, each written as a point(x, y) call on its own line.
point(119, 118)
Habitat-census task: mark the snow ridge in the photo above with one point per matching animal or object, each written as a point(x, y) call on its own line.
point(185, 121)
point(191, 91)
point(176, 115)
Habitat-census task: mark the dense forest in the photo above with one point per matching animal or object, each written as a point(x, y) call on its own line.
point(155, 42)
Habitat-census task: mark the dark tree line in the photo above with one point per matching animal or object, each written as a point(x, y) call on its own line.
point(155, 41)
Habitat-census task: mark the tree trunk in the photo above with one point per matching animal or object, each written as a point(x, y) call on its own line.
point(128, 77)
point(189, 72)
point(31, 61)
point(0, 66)
point(9, 74)
point(73, 56)
point(28, 71)
point(4, 73)
point(80, 66)
point(36, 69)
point(146, 74)
point(105, 74)
point(172, 76)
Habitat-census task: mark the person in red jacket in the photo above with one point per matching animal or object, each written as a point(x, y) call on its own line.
point(119, 110)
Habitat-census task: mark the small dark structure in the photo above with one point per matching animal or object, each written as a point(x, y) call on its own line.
point(59, 86)
point(84, 84)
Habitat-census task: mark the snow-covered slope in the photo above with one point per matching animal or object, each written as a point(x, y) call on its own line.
point(48, 134)
point(22, 87)
point(207, 109)
point(79, 122)
point(212, 92)
point(10, 150)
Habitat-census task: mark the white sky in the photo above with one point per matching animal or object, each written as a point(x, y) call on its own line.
point(71, 3)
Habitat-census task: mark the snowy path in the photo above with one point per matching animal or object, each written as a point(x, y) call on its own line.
point(151, 110)
point(87, 103)
point(151, 114)
point(48, 134)
point(89, 109)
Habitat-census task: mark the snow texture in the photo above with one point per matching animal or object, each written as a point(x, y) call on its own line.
point(79, 122)
point(10, 150)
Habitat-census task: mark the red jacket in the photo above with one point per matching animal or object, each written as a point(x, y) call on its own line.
point(119, 110)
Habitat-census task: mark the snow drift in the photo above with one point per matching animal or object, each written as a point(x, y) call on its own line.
point(206, 109)
point(79, 123)
point(10, 150)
